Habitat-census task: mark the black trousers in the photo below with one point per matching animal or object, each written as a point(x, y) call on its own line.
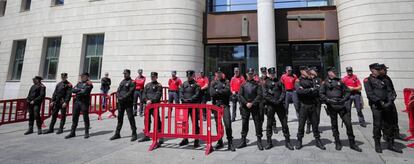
point(34, 114)
point(346, 118)
point(55, 111)
point(128, 107)
point(151, 113)
point(308, 111)
point(281, 113)
point(262, 110)
point(234, 100)
point(84, 108)
point(254, 111)
point(318, 113)
point(383, 119)
point(395, 120)
point(226, 120)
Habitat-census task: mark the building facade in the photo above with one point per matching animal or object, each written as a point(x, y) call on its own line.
point(46, 37)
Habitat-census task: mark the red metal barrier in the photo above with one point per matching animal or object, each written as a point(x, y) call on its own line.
point(113, 102)
point(409, 103)
point(15, 110)
point(96, 106)
point(181, 124)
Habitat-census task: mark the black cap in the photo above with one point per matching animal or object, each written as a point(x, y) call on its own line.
point(382, 66)
point(263, 69)
point(85, 74)
point(314, 69)
point(331, 69)
point(38, 78)
point(190, 73)
point(154, 74)
point(373, 65)
point(250, 71)
point(272, 70)
point(349, 69)
point(64, 74)
point(127, 71)
point(301, 68)
point(218, 70)
point(174, 72)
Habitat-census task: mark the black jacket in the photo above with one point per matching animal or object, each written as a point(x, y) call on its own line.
point(190, 92)
point(379, 90)
point(153, 92)
point(105, 83)
point(250, 92)
point(63, 92)
point(334, 92)
point(220, 91)
point(307, 91)
point(273, 91)
point(37, 94)
point(125, 92)
point(82, 90)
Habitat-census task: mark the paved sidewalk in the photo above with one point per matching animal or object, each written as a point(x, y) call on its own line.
point(18, 148)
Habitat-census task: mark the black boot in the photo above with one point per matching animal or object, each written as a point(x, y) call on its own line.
point(308, 129)
point(50, 130)
point(243, 143)
point(230, 145)
point(362, 124)
point(184, 142)
point(269, 143)
point(144, 139)
point(219, 144)
point(319, 144)
point(86, 133)
point(378, 148)
point(259, 143)
point(134, 136)
point(353, 146)
point(196, 143)
point(39, 131)
point(288, 144)
point(60, 131)
point(338, 144)
point(115, 136)
point(299, 144)
point(391, 146)
point(29, 131)
point(71, 134)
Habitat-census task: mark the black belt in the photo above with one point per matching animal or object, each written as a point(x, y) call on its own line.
point(172, 91)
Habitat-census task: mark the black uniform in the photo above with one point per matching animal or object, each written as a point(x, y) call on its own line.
point(263, 104)
point(335, 94)
point(61, 95)
point(274, 95)
point(381, 97)
point(190, 94)
point(220, 93)
point(396, 132)
point(251, 92)
point(307, 95)
point(82, 90)
point(153, 92)
point(317, 82)
point(37, 95)
point(125, 95)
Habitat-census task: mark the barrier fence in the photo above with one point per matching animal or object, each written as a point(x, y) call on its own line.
point(180, 128)
point(15, 110)
point(409, 103)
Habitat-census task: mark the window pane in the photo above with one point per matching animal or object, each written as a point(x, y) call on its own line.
point(252, 59)
point(59, 2)
point(231, 53)
point(27, 5)
point(93, 56)
point(211, 58)
point(18, 60)
point(51, 69)
point(52, 58)
point(95, 69)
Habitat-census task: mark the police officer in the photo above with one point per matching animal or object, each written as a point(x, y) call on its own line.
point(397, 135)
point(262, 81)
point(35, 99)
point(335, 94)
point(125, 95)
point(190, 93)
point(250, 97)
point(380, 95)
point(152, 94)
point(313, 73)
point(220, 93)
point(82, 92)
point(307, 95)
point(60, 101)
point(274, 96)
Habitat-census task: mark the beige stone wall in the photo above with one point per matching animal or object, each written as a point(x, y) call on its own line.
point(155, 35)
point(378, 31)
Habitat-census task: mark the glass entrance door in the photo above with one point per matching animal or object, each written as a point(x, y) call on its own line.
point(228, 67)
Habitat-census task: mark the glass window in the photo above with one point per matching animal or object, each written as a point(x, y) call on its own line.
point(331, 56)
point(26, 5)
point(93, 55)
point(241, 5)
point(283, 57)
point(17, 59)
point(3, 4)
point(252, 60)
point(58, 2)
point(51, 58)
point(231, 53)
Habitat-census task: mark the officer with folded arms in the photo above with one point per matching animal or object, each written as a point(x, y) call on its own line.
point(60, 101)
point(125, 95)
point(335, 94)
point(220, 92)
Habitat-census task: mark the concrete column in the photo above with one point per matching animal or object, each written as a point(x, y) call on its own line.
point(266, 33)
